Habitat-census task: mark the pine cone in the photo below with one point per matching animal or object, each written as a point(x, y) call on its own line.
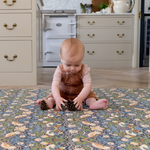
point(43, 105)
point(71, 106)
point(64, 107)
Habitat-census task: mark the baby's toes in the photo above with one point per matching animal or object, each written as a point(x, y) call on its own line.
point(39, 101)
point(106, 102)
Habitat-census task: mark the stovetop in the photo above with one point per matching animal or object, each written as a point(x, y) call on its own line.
point(59, 11)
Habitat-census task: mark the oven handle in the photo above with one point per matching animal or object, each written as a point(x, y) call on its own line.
point(48, 52)
point(71, 34)
point(72, 23)
point(47, 29)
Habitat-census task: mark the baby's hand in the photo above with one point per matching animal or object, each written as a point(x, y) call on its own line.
point(59, 102)
point(78, 103)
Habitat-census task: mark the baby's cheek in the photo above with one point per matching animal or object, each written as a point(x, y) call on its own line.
point(67, 69)
point(79, 68)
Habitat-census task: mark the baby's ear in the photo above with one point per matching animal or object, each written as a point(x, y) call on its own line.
point(60, 58)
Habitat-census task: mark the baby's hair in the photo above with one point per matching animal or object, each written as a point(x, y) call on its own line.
point(71, 46)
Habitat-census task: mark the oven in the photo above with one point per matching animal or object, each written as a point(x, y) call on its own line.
point(58, 26)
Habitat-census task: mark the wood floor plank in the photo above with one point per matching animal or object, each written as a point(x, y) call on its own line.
point(102, 78)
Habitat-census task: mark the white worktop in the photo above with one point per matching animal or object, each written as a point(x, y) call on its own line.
point(102, 14)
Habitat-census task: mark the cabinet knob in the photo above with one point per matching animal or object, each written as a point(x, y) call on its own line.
point(91, 23)
point(120, 35)
point(5, 1)
point(14, 25)
point(120, 53)
point(90, 35)
point(90, 53)
point(120, 22)
point(6, 56)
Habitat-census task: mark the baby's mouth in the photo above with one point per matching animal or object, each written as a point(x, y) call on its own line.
point(72, 72)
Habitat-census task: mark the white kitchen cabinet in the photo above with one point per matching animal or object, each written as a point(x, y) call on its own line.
point(108, 39)
point(18, 40)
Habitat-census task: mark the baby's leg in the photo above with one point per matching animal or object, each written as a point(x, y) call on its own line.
point(97, 104)
point(50, 102)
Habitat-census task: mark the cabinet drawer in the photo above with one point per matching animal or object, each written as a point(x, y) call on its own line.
point(108, 52)
point(17, 4)
point(15, 25)
point(105, 22)
point(23, 62)
point(105, 34)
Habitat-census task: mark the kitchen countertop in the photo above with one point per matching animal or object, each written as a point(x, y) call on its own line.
point(67, 11)
point(102, 14)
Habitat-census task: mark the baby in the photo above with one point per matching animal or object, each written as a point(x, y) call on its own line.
point(71, 80)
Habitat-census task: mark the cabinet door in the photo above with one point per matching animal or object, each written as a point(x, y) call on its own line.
point(103, 34)
point(15, 25)
point(18, 4)
point(15, 56)
point(110, 52)
point(93, 21)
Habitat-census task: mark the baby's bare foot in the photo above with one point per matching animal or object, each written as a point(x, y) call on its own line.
point(49, 102)
point(101, 103)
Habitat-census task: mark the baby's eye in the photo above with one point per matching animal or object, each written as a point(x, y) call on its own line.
point(68, 65)
point(77, 65)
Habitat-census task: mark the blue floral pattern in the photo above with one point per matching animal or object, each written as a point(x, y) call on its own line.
point(125, 125)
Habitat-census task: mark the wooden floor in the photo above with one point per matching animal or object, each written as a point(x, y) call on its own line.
point(102, 78)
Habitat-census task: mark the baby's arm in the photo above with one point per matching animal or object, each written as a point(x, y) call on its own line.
point(55, 89)
point(86, 88)
point(85, 91)
point(82, 96)
point(56, 94)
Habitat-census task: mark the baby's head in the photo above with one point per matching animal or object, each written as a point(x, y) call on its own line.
point(71, 54)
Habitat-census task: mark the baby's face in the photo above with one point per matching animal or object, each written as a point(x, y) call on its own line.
point(72, 64)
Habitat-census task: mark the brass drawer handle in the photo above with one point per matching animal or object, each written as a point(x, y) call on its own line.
point(90, 53)
point(90, 35)
point(14, 25)
point(120, 53)
point(15, 56)
point(120, 35)
point(13, 1)
point(120, 22)
point(91, 23)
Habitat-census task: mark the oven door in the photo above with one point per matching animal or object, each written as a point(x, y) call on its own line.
point(52, 53)
point(59, 27)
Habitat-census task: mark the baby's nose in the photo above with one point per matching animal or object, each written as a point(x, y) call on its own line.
point(72, 68)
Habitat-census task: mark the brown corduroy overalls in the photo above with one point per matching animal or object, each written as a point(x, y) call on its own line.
point(72, 84)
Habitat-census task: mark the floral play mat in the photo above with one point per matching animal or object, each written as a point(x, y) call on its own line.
point(125, 125)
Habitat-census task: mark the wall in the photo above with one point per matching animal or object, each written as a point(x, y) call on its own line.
point(65, 4)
